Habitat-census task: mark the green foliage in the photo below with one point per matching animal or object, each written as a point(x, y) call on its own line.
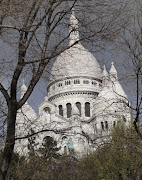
point(49, 149)
point(118, 159)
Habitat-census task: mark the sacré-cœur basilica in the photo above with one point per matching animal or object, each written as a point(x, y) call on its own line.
point(82, 106)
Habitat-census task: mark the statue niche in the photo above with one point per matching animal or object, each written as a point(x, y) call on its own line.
point(46, 115)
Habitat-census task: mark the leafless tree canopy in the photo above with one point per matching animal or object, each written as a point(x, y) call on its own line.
point(33, 33)
point(129, 43)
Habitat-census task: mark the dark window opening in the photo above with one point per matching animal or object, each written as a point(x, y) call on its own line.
point(77, 81)
point(78, 105)
point(65, 150)
point(64, 137)
point(60, 110)
point(106, 125)
point(102, 126)
point(114, 123)
point(47, 109)
point(87, 109)
point(67, 82)
point(85, 82)
point(60, 84)
point(94, 83)
point(69, 110)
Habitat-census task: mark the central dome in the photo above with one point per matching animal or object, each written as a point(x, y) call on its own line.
point(75, 62)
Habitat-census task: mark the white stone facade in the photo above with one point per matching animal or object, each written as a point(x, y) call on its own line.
point(82, 106)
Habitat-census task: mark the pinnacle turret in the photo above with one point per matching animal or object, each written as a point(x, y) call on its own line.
point(105, 73)
point(105, 76)
point(113, 72)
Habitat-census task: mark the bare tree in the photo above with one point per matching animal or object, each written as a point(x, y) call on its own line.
point(130, 45)
point(31, 37)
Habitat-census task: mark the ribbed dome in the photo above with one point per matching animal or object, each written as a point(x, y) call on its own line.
point(75, 61)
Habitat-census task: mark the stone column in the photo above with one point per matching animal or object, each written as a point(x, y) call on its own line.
point(83, 109)
point(64, 111)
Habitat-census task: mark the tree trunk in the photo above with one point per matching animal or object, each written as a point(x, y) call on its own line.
point(10, 140)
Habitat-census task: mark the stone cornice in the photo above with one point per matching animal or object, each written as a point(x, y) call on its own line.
point(72, 93)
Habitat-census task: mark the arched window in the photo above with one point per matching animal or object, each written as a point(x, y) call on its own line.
point(65, 150)
point(87, 109)
point(67, 82)
point(46, 115)
point(47, 109)
point(102, 126)
point(106, 125)
point(64, 137)
point(85, 82)
point(69, 110)
point(60, 84)
point(77, 81)
point(60, 110)
point(114, 123)
point(78, 105)
point(94, 83)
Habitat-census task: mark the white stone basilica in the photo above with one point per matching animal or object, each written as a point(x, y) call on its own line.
point(82, 106)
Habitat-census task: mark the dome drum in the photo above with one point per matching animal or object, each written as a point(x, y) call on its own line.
point(74, 84)
point(73, 94)
point(72, 107)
